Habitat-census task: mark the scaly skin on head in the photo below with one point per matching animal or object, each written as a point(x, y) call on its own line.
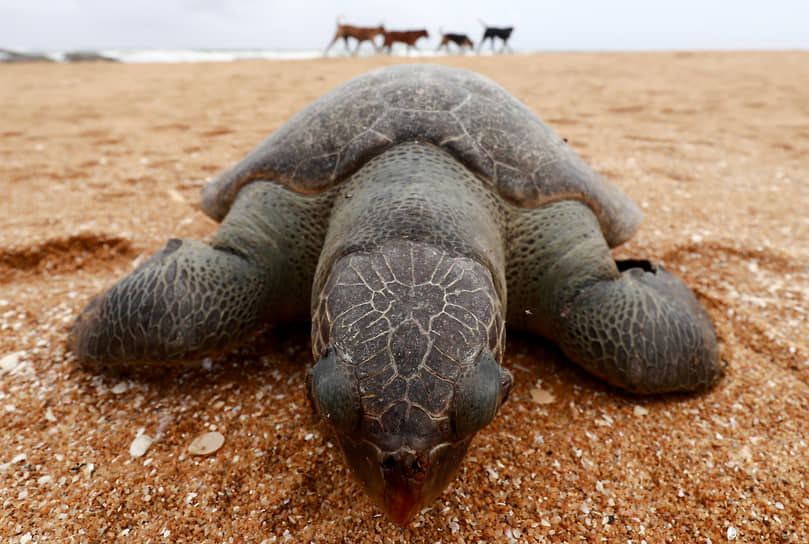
point(409, 341)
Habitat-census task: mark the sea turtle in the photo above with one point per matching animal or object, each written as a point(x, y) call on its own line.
point(398, 212)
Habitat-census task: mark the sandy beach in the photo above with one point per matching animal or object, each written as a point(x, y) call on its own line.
point(101, 163)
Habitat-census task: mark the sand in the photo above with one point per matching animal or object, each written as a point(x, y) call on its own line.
point(101, 163)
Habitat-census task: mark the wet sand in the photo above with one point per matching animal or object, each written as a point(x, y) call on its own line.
point(101, 163)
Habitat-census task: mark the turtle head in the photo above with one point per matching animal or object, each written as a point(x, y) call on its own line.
point(407, 340)
point(406, 451)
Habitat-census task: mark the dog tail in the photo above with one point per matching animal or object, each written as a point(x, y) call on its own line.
point(482, 23)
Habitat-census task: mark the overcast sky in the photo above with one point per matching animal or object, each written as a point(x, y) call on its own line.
point(302, 24)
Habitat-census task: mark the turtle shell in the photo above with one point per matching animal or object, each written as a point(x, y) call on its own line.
point(474, 119)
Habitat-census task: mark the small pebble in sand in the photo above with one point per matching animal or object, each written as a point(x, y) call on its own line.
point(19, 458)
point(176, 196)
point(140, 445)
point(206, 443)
point(9, 362)
point(639, 410)
point(542, 396)
point(119, 388)
point(732, 533)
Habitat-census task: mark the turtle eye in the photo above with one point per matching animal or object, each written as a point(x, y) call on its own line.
point(333, 393)
point(478, 395)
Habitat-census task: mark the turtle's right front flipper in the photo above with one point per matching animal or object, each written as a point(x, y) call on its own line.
point(185, 302)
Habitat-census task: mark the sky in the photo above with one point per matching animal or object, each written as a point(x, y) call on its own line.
point(540, 25)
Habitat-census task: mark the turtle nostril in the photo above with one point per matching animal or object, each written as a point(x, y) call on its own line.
point(388, 462)
point(409, 466)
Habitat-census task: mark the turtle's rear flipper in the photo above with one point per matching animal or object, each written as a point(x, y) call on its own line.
point(185, 302)
point(644, 331)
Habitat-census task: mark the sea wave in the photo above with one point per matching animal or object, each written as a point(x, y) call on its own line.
point(205, 55)
point(208, 55)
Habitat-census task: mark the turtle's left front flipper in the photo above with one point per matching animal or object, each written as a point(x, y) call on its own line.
point(187, 301)
point(630, 323)
point(644, 331)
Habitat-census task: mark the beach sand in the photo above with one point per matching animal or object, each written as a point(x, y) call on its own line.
point(101, 163)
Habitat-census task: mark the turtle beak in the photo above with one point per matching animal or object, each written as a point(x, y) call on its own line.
point(404, 481)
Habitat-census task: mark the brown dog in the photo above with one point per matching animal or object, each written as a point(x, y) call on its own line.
point(408, 37)
point(359, 33)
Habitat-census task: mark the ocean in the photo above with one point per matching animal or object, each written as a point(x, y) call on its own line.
point(225, 55)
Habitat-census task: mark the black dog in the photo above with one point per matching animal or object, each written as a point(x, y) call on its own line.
point(461, 40)
point(493, 32)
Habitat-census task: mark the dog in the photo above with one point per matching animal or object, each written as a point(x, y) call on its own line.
point(492, 32)
point(408, 37)
point(359, 33)
point(461, 40)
